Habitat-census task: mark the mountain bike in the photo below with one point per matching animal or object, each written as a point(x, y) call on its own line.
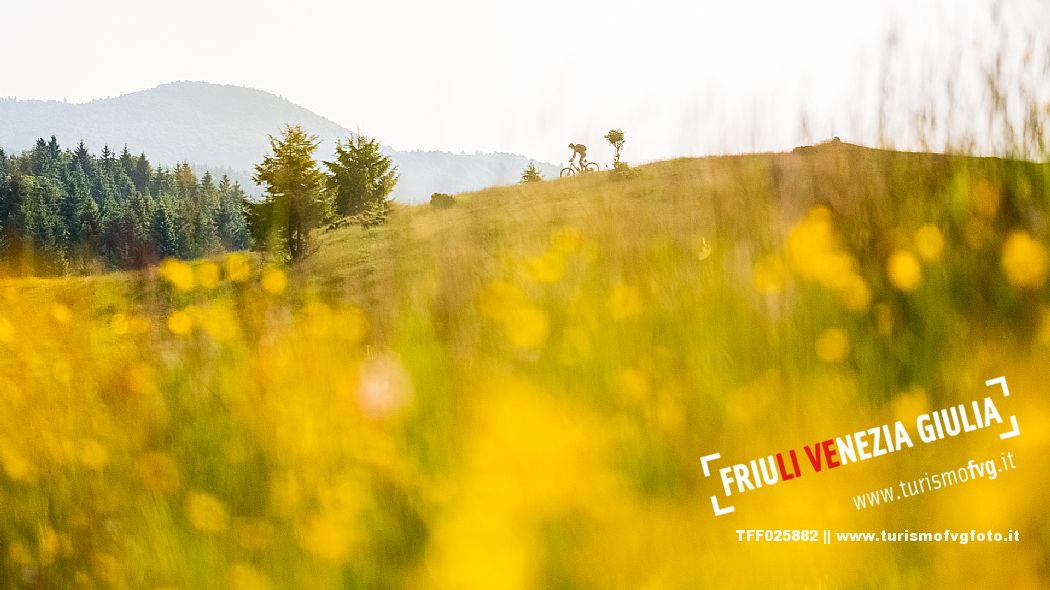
point(582, 168)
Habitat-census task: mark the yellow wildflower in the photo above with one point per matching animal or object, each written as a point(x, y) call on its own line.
point(238, 269)
point(527, 326)
point(832, 345)
point(929, 243)
point(93, 455)
point(208, 275)
point(1024, 260)
point(17, 465)
point(180, 323)
point(498, 297)
point(178, 273)
point(119, 324)
point(624, 302)
point(245, 577)
point(219, 323)
point(107, 568)
point(274, 281)
point(547, 268)
point(855, 293)
point(328, 537)
point(206, 513)
point(61, 313)
point(904, 271)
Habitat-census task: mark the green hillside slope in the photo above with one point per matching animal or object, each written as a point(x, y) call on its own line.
point(515, 391)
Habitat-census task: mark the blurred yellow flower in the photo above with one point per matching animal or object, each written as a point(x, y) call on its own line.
point(547, 268)
point(499, 296)
point(832, 345)
point(274, 281)
point(245, 577)
point(208, 274)
point(526, 326)
point(328, 537)
point(219, 323)
point(159, 472)
point(769, 274)
point(1024, 260)
point(107, 568)
point(206, 513)
point(855, 293)
point(180, 323)
point(19, 553)
point(61, 313)
point(904, 271)
point(624, 302)
point(929, 243)
point(16, 464)
point(119, 324)
point(178, 273)
point(632, 386)
point(93, 454)
point(238, 269)
point(813, 247)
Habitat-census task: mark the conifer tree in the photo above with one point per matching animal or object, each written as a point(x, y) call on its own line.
point(295, 201)
point(361, 177)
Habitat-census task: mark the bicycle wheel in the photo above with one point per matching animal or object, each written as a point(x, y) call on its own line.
point(592, 167)
point(570, 171)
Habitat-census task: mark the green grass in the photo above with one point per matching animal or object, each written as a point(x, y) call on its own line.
point(514, 392)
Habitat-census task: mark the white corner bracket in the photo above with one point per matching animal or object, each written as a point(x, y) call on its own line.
point(719, 511)
point(1001, 382)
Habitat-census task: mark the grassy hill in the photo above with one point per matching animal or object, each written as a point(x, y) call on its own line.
point(514, 392)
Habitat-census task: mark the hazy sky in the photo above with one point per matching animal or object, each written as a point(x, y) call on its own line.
point(680, 77)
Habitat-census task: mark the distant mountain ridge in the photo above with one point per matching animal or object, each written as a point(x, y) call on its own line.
point(225, 129)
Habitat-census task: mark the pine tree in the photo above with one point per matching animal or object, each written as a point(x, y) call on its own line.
point(140, 173)
point(229, 220)
point(531, 174)
point(361, 177)
point(294, 191)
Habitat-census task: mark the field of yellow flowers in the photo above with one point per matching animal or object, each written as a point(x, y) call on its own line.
point(514, 392)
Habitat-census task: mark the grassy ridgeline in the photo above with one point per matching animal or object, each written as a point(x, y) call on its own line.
point(514, 392)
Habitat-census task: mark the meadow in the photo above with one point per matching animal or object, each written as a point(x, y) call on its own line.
point(514, 392)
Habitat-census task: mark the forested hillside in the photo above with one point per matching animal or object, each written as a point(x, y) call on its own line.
point(65, 210)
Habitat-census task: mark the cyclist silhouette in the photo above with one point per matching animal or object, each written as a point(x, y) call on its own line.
point(578, 149)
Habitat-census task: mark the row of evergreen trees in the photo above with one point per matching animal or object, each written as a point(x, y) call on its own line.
point(65, 210)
